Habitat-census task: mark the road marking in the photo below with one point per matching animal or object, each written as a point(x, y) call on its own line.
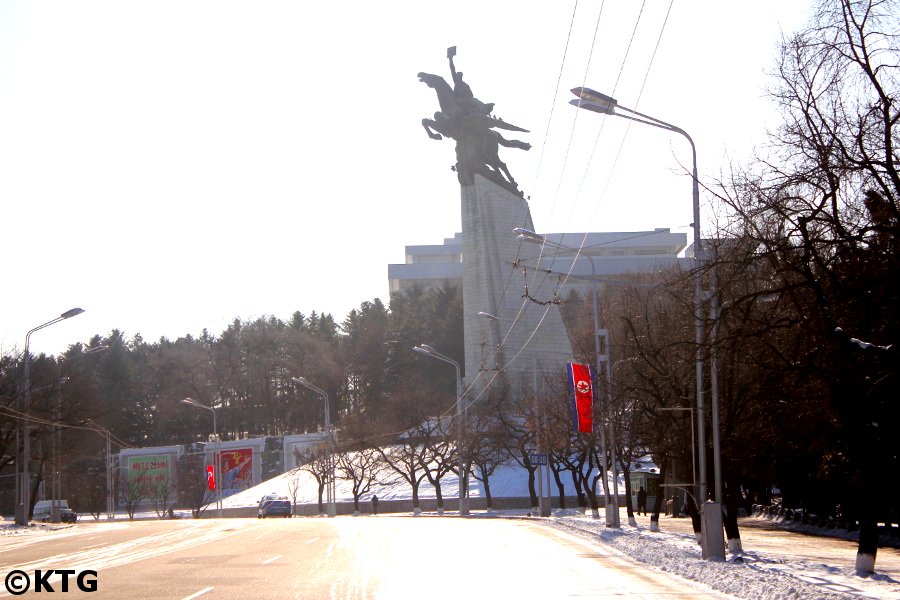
point(312, 540)
point(200, 593)
point(142, 548)
point(273, 559)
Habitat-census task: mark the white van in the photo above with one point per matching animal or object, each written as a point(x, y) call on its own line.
point(44, 508)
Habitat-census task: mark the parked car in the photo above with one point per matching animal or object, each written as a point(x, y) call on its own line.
point(67, 515)
point(274, 506)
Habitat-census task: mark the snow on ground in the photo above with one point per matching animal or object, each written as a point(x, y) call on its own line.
point(507, 482)
point(769, 575)
point(761, 576)
point(756, 575)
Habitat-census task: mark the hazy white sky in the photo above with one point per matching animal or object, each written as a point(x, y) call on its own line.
point(169, 166)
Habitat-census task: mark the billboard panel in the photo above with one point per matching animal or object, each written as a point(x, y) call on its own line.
point(236, 470)
point(305, 451)
point(150, 472)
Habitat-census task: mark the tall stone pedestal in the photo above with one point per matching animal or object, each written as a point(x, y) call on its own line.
point(527, 341)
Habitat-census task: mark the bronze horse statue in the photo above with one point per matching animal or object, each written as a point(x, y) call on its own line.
point(468, 121)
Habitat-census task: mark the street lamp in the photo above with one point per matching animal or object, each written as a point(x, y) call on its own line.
point(110, 500)
point(24, 481)
point(601, 103)
point(329, 443)
point(653, 525)
point(544, 502)
point(463, 473)
point(611, 505)
point(56, 483)
point(217, 455)
point(715, 311)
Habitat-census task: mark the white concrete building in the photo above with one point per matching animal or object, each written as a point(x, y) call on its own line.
point(612, 253)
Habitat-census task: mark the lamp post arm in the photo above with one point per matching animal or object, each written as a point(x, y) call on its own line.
point(309, 385)
point(698, 285)
point(429, 351)
point(39, 327)
point(23, 492)
point(639, 117)
point(463, 475)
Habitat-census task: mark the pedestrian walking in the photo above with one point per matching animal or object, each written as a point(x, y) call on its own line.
point(642, 501)
point(374, 504)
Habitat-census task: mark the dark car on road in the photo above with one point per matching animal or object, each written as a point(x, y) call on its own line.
point(274, 506)
point(67, 515)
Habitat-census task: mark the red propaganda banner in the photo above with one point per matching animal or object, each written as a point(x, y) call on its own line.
point(211, 477)
point(580, 378)
point(236, 470)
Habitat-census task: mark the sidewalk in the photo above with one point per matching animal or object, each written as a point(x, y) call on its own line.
point(763, 537)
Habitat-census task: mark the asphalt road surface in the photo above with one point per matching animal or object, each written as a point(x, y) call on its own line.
point(390, 558)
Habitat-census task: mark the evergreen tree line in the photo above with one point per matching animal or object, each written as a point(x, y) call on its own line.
point(134, 389)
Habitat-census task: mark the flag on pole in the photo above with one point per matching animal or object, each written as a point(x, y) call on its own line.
point(580, 382)
point(211, 477)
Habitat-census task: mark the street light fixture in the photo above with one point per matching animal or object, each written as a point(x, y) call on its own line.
point(693, 449)
point(463, 473)
point(217, 455)
point(544, 502)
point(329, 445)
point(611, 504)
point(24, 481)
point(592, 100)
point(110, 499)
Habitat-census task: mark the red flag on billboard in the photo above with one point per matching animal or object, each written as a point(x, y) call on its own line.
point(210, 477)
point(580, 382)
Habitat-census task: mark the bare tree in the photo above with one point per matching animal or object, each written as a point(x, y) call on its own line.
point(438, 455)
point(193, 486)
point(821, 211)
point(316, 462)
point(160, 495)
point(293, 486)
point(361, 468)
point(405, 460)
point(484, 446)
point(520, 425)
point(132, 491)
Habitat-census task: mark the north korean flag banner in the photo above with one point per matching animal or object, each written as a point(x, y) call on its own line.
point(580, 378)
point(211, 477)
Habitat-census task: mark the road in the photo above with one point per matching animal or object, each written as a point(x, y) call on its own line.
point(382, 557)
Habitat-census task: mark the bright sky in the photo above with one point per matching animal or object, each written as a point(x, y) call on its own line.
point(169, 166)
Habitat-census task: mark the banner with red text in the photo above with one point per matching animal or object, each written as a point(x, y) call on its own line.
point(149, 474)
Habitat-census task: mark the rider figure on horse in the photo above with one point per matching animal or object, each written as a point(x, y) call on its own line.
point(463, 93)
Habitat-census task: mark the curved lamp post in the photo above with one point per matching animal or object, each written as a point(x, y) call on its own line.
point(463, 474)
point(218, 453)
point(329, 443)
point(594, 101)
point(23, 507)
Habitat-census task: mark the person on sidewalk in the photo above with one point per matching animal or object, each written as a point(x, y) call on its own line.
point(374, 504)
point(642, 501)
